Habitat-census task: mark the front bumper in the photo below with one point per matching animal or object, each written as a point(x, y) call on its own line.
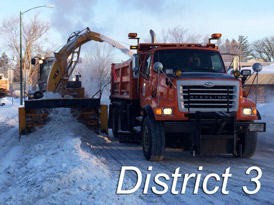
point(215, 120)
point(213, 132)
point(252, 126)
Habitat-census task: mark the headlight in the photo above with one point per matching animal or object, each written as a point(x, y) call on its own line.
point(250, 111)
point(247, 111)
point(163, 111)
point(167, 111)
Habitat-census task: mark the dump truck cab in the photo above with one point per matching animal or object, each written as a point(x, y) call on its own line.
point(185, 99)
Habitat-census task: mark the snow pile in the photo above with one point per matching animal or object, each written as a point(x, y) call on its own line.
point(51, 95)
point(50, 166)
point(268, 68)
point(267, 114)
point(16, 93)
point(8, 114)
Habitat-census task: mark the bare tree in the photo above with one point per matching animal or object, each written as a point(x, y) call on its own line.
point(241, 47)
point(96, 67)
point(32, 34)
point(177, 34)
point(264, 49)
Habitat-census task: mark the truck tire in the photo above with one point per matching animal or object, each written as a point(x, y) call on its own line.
point(249, 144)
point(114, 122)
point(153, 140)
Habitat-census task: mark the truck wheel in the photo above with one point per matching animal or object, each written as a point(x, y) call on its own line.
point(153, 140)
point(114, 123)
point(249, 144)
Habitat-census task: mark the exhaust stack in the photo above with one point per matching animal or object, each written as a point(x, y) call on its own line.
point(153, 36)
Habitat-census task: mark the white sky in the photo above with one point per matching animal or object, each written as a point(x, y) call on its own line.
point(116, 18)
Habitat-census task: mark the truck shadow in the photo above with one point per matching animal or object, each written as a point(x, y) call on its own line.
point(130, 154)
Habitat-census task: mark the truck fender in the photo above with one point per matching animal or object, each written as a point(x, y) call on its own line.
point(148, 112)
point(259, 115)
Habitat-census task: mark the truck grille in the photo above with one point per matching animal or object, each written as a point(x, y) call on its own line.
point(195, 96)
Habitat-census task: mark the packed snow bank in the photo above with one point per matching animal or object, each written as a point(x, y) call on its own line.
point(8, 114)
point(268, 68)
point(49, 166)
point(267, 114)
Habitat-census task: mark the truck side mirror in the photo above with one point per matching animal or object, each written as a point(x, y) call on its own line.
point(257, 67)
point(245, 72)
point(158, 67)
point(135, 63)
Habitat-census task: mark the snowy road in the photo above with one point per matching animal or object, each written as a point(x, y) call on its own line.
point(65, 163)
point(116, 155)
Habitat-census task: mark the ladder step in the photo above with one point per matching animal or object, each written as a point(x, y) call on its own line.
point(137, 129)
point(217, 137)
point(139, 118)
point(122, 132)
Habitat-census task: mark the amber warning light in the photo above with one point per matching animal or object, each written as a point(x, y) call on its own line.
point(133, 47)
point(216, 35)
point(132, 35)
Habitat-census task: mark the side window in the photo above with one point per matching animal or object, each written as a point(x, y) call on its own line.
point(146, 70)
point(216, 62)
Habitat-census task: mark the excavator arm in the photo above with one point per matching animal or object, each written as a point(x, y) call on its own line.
point(68, 56)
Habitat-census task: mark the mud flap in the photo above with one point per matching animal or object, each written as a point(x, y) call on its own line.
point(104, 118)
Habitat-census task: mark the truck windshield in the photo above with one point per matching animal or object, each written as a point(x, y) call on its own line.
point(190, 60)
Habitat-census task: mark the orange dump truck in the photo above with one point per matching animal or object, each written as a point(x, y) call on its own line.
point(180, 96)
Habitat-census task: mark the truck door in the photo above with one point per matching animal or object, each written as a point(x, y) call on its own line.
point(145, 80)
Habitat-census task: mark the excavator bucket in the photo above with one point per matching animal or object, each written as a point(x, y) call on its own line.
point(35, 113)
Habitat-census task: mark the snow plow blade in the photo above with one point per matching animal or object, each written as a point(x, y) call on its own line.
point(35, 113)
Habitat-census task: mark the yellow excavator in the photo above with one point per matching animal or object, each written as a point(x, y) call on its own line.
point(35, 111)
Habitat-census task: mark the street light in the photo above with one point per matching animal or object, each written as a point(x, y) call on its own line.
point(21, 64)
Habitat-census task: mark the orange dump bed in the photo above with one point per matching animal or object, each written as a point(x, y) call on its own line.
point(123, 85)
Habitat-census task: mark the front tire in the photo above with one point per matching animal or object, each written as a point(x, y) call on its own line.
point(249, 141)
point(153, 140)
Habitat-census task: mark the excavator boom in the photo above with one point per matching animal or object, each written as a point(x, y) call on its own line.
point(62, 68)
